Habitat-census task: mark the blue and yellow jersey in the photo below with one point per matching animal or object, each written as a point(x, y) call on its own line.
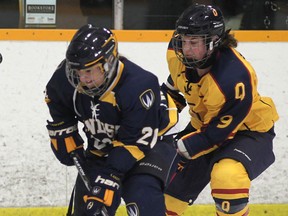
point(125, 122)
point(221, 102)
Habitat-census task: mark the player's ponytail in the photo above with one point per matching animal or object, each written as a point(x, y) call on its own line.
point(228, 40)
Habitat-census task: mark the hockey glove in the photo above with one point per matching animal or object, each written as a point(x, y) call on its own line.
point(181, 161)
point(106, 190)
point(65, 139)
point(178, 99)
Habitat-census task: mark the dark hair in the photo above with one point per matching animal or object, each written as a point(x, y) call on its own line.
point(228, 40)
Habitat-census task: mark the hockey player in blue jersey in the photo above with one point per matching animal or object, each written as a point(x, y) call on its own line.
point(125, 118)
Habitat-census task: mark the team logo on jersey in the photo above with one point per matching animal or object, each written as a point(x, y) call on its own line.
point(95, 110)
point(147, 99)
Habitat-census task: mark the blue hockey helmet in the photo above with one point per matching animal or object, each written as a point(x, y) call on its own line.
point(92, 45)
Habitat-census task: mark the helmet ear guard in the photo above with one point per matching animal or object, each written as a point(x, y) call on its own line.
point(215, 42)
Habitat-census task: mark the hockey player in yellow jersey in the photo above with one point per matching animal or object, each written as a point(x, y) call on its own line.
point(229, 140)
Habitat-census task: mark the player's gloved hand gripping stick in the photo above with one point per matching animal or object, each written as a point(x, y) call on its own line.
point(77, 161)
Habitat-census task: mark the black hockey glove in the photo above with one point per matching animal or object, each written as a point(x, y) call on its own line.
point(181, 161)
point(106, 190)
point(65, 139)
point(178, 99)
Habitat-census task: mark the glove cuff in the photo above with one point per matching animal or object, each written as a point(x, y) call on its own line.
point(181, 149)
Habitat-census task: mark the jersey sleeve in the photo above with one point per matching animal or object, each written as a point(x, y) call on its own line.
point(63, 129)
point(228, 100)
point(59, 96)
point(219, 129)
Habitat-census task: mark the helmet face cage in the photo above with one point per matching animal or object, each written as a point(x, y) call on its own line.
point(193, 62)
point(83, 53)
point(108, 68)
point(199, 21)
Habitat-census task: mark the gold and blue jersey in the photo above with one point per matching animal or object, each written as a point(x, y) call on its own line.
point(125, 122)
point(221, 102)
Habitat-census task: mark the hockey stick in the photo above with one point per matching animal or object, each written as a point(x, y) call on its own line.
point(85, 179)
